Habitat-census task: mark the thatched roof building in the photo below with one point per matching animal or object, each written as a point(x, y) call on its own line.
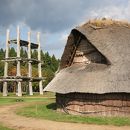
point(94, 76)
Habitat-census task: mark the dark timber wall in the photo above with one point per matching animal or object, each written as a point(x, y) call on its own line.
point(111, 104)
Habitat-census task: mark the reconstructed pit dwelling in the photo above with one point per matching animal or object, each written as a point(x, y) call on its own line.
point(18, 78)
point(94, 76)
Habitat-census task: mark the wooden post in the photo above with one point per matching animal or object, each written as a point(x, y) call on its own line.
point(18, 62)
point(29, 63)
point(39, 64)
point(6, 64)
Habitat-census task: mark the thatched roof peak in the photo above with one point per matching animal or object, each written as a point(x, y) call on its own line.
point(105, 22)
point(111, 39)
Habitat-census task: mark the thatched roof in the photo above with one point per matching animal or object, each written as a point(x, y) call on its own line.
point(113, 42)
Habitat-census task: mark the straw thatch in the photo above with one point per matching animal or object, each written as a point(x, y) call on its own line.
point(96, 59)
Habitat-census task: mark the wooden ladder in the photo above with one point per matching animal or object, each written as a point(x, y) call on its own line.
point(73, 52)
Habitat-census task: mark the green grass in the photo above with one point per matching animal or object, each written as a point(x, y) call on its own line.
point(4, 128)
point(45, 108)
point(36, 94)
point(11, 99)
point(8, 101)
point(48, 111)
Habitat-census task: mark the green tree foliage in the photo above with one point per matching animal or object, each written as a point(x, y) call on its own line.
point(2, 54)
point(23, 53)
point(34, 54)
point(49, 65)
point(12, 52)
point(48, 74)
point(54, 63)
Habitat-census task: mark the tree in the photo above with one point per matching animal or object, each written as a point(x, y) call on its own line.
point(23, 52)
point(2, 54)
point(54, 63)
point(42, 56)
point(34, 54)
point(12, 52)
point(47, 60)
point(48, 74)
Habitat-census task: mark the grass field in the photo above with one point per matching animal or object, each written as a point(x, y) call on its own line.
point(8, 101)
point(48, 111)
point(12, 98)
point(35, 94)
point(45, 108)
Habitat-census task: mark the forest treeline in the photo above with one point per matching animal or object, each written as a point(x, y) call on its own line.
point(49, 67)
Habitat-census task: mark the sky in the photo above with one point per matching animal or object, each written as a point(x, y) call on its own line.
point(55, 19)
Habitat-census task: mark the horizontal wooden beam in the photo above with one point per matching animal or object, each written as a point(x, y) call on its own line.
point(12, 59)
point(11, 80)
point(25, 43)
point(21, 78)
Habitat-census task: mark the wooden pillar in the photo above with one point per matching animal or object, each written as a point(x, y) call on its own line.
point(18, 62)
point(29, 63)
point(6, 64)
point(39, 64)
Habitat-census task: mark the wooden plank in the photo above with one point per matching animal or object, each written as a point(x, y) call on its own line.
point(29, 63)
point(39, 64)
point(12, 59)
point(6, 64)
point(9, 80)
point(24, 43)
point(21, 78)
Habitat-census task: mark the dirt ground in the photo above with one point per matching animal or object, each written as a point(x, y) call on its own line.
point(11, 120)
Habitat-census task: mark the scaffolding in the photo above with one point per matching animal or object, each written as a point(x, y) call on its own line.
point(18, 59)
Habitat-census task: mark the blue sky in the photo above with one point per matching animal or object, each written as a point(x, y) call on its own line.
point(55, 18)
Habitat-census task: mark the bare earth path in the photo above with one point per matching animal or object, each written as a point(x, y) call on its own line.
point(11, 120)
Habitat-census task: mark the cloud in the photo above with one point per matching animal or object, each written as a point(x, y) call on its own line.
point(55, 18)
point(55, 15)
point(47, 15)
point(111, 12)
point(55, 43)
point(119, 12)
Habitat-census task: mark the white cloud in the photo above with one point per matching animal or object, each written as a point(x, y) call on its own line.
point(113, 11)
point(55, 43)
point(64, 37)
point(55, 18)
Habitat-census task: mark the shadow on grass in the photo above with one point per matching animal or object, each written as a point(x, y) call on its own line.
point(52, 106)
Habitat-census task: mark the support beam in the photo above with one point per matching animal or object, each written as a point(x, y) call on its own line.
point(29, 63)
point(18, 52)
point(5, 91)
point(39, 64)
point(19, 89)
point(10, 80)
point(6, 64)
point(18, 62)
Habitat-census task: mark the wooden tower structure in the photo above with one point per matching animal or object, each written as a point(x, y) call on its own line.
point(18, 78)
